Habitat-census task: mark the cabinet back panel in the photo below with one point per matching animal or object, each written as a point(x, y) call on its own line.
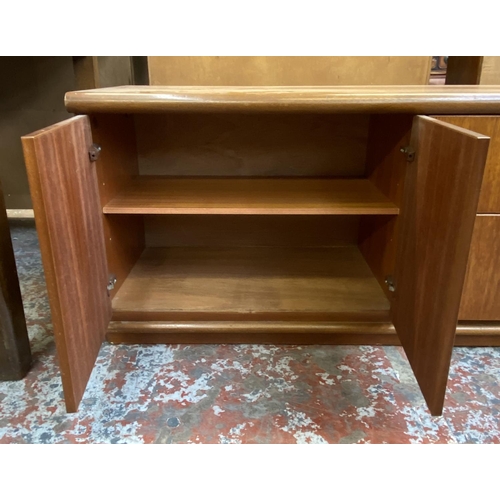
point(250, 230)
point(252, 145)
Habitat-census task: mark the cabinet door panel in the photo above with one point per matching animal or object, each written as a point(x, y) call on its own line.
point(440, 200)
point(64, 190)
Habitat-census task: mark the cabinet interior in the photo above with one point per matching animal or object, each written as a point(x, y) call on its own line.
point(255, 216)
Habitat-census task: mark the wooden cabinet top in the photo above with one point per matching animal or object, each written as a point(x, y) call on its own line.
point(449, 99)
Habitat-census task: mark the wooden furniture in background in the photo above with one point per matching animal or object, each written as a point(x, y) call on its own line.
point(15, 353)
point(269, 70)
point(473, 70)
point(93, 72)
point(261, 214)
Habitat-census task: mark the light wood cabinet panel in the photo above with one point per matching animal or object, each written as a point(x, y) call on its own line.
point(265, 70)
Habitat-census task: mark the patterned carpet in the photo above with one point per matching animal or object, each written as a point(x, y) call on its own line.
point(241, 393)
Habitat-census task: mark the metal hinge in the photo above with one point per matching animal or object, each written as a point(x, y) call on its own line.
point(111, 282)
point(389, 281)
point(94, 152)
point(409, 152)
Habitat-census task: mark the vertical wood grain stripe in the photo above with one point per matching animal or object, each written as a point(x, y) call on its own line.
point(441, 195)
point(67, 212)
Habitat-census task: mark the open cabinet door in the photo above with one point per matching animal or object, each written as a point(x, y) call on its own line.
point(63, 185)
point(441, 194)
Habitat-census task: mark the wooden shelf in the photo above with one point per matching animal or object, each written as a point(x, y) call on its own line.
point(262, 283)
point(293, 196)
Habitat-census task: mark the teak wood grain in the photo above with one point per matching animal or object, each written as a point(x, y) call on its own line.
point(481, 293)
point(250, 230)
point(259, 283)
point(63, 186)
point(441, 193)
point(356, 99)
point(244, 145)
point(489, 199)
point(478, 333)
point(116, 167)
point(286, 70)
point(248, 331)
point(15, 353)
point(386, 169)
point(469, 333)
point(293, 196)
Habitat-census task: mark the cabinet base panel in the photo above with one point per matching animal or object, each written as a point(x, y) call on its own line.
point(281, 332)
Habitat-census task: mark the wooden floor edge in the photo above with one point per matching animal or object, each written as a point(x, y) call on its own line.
point(281, 332)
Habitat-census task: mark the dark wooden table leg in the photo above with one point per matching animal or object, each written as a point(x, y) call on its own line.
point(15, 354)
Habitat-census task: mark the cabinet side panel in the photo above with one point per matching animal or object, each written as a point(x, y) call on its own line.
point(63, 186)
point(386, 168)
point(441, 193)
point(116, 167)
point(481, 294)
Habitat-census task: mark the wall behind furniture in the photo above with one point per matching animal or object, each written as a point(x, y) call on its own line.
point(93, 72)
point(31, 97)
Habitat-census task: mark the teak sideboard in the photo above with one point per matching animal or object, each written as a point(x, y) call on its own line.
point(287, 215)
